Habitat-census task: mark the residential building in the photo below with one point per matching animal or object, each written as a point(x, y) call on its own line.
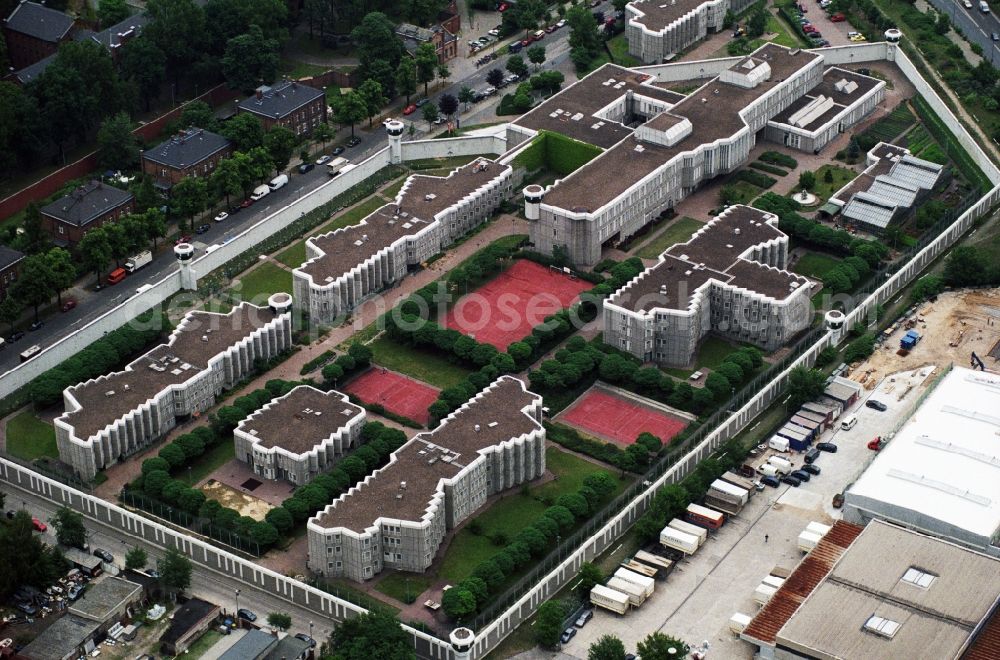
point(893, 183)
point(445, 42)
point(10, 267)
point(70, 637)
point(939, 473)
point(658, 30)
point(658, 146)
point(192, 152)
point(188, 622)
point(108, 601)
point(91, 205)
point(116, 415)
point(449, 18)
point(289, 647)
point(346, 266)
point(399, 515)
point(299, 435)
point(254, 645)
point(882, 592)
point(33, 32)
point(298, 107)
point(729, 278)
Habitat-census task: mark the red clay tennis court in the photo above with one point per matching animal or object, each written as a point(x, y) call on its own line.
point(394, 392)
point(506, 308)
point(603, 414)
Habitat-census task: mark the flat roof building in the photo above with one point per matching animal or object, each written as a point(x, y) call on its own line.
point(657, 30)
point(299, 435)
point(118, 414)
point(729, 278)
point(399, 515)
point(885, 593)
point(346, 266)
point(187, 622)
point(940, 473)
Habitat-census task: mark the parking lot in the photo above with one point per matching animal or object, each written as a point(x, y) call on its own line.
point(696, 601)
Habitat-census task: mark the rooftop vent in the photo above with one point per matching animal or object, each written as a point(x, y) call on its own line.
point(402, 485)
point(492, 424)
point(884, 627)
point(477, 428)
point(429, 196)
point(737, 231)
point(109, 393)
point(254, 431)
point(204, 337)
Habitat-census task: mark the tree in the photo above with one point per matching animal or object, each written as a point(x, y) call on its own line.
point(430, 113)
point(280, 142)
point(10, 311)
point(227, 179)
point(33, 288)
point(69, 526)
point(658, 646)
point(189, 196)
point(136, 558)
point(516, 65)
point(146, 66)
point(426, 61)
point(279, 621)
point(466, 96)
point(807, 180)
point(548, 622)
point(406, 78)
point(443, 72)
point(494, 77)
point(61, 271)
point(94, 250)
point(757, 23)
point(350, 109)
point(458, 605)
point(536, 55)
point(251, 59)
point(965, 266)
point(175, 571)
point(199, 114)
point(281, 519)
point(374, 39)
point(375, 634)
point(373, 97)
point(153, 224)
point(590, 575)
point(117, 148)
point(448, 104)
point(111, 12)
point(584, 38)
point(324, 133)
point(607, 647)
point(21, 130)
point(25, 558)
point(245, 131)
point(177, 27)
point(804, 385)
point(35, 238)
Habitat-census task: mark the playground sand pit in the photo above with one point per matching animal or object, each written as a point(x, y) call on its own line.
point(227, 496)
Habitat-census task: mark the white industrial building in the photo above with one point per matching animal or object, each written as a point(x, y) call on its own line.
point(399, 515)
point(116, 415)
point(346, 266)
point(729, 278)
point(940, 474)
point(657, 30)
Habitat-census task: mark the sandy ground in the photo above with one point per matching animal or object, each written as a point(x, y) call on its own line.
point(234, 499)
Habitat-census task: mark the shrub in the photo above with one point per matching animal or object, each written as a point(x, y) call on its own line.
point(778, 158)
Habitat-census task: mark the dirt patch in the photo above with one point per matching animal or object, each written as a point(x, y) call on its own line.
point(229, 497)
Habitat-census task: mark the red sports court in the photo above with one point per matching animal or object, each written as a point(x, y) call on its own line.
point(610, 417)
point(506, 308)
point(394, 392)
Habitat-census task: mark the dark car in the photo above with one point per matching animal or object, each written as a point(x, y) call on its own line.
point(235, 208)
point(770, 481)
point(338, 150)
point(10, 514)
point(354, 141)
point(306, 167)
point(246, 614)
point(104, 555)
point(811, 455)
point(421, 102)
point(567, 635)
point(307, 639)
point(74, 591)
point(246, 203)
point(36, 325)
point(811, 469)
point(827, 446)
point(801, 475)
point(202, 229)
point(27, 608)
point(17, 335)
point(791, 480)
point(68, 305)
point(876, 405)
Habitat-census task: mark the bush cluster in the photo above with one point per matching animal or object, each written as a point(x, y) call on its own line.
point(846, 275)
point(778, 158)
point(317, 361)
point(755, 178)
point(860, 348)
point(635, 458)
point(358, 358)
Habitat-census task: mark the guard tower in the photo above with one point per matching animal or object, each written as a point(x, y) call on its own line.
point(462, 640)
point(532, 201)
point(835, 321)
point(184, 253)
point(395, 130)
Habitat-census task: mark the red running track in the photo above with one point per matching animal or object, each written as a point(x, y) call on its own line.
point(506, 309)
point(607, 416)
point(394, 392)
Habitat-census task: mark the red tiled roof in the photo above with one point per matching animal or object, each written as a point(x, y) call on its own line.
point(809, 573)
point(986, 645)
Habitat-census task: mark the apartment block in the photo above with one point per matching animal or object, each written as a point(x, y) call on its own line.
point(346, 266)
point(191, 152)
point(657, 30)
point(399, 515)
point(116, 415)
point(300, 435)
point(729, 278)
point(299, 108)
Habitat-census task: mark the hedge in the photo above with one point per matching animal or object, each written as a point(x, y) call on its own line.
point(770, 169)
point(317, 361)
point(778, 158)
point(755, 178)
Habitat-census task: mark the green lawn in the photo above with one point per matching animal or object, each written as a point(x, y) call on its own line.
point(712, 352)
point(745, 192)
point(815, 265)
point(428, 367)
point(210, 461)
point(841, 176)
point(294, 69)
point(678, 231)
point(294, 255)
point(202, 644)
point(619, 51)
point(786, 36)
point(397, 585)
point(352, 216)
point(262, 281)
point(514, 512)
point(29, 438)
point(393, 190)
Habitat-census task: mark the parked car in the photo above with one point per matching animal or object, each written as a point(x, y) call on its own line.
point(222, 216)
point(38, 524)
point(874, 404)
point(567, 635)
point(561, 24)
point(202, 229)
point(494, 32)
point(36, 325)
point(421, 103)
point(812, 469)
point(827, 446)
point(306, 167)
point(338, 150)
point(800, 475)
point(811, 455)
point(551, 28)
point(839, 17)
point(74, 591)
point(27, 608)
point(235, 208)
point(582, 620)
point(770, 481)
point(994, 36)
point(184, 238)
point(17, 335)
point(246, 614)
point(10, 514)
point(353, 142)
point(791, 481)
point(104, 555)
point(68, 305)
point(323, 160)
point(307, 639)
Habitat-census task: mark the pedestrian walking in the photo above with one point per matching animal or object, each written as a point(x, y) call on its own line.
point(765, 538)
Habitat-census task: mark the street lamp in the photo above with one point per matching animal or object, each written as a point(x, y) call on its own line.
point(310, 630)
point(237, 606)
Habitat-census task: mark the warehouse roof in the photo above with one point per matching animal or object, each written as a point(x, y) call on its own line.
point(103, 597)
point(60, 639)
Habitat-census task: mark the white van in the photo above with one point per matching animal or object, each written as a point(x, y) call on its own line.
point(848, 423)
point(278, 182)
point(259, 193)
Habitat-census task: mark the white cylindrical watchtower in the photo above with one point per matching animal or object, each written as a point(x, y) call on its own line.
point(835, 321)
point(462, 640)
point(185, 253)
point(395, 130)
point(532, 201)
point(280, 302)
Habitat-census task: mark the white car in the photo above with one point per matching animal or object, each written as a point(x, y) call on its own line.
point(323, 160)
point(222, 216)
point(561, 23)
point(494, 32)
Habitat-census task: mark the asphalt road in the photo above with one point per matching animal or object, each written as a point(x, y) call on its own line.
point(977, 27)
point(205, 583)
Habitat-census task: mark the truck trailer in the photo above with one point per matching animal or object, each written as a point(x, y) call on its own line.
point(644, 582)
point(137, 261)
point(639, 567)
point(742, 482)
point(685, 543)
point(704, 516)
point(662, 563)
point(609, 599)
point(808, 540)
point(728, 491)
point(636, 594)
point(694, 530)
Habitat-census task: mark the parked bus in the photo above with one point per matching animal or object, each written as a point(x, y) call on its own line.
point(30, 353)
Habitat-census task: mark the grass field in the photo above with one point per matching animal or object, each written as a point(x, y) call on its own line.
point(295, 69)
point(202, 645)
point(29, 438)
point(712, 352)
point(294, 255)
point(513, 513)
point(745, 192)
point(210, 461)
point(841, 177)
point(677, 231)
point(786, 36)
point(422, 365)
point(619, 51)
point(815, 265)
point(397, 585)
point(262, 281)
